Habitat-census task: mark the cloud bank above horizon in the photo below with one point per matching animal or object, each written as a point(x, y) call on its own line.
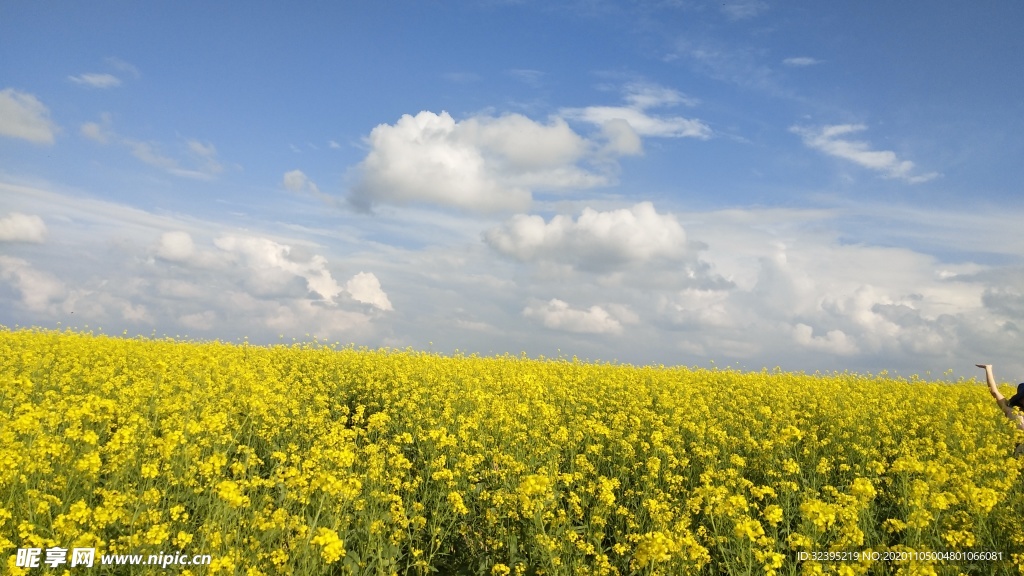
point(713, 196)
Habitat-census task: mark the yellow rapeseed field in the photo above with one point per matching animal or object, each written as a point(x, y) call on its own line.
point(316, 459)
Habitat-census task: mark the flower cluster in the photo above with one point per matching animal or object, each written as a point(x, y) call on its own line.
point(312, 459)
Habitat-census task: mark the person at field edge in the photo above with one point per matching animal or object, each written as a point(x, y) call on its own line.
point(1007, 406)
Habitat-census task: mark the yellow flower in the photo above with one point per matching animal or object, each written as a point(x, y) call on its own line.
point(157, 534)
point(332, 547)
point(772, 514)
point(229, 491)
point(455, 499)
point(654, 547)
point(748, 528)
point(863, 489)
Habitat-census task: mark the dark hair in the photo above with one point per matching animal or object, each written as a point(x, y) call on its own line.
point(1017, 399)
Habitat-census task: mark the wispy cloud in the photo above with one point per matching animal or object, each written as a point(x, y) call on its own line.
point(527, 76)
point(641, 98)
point(23, 116)
point(203, 159)
point(829, 139)
point(96, 80)
point(743, 9)
point(99, 131)
point(737, 64)
point(197, 160)
point(122, 66)
point(801, 61)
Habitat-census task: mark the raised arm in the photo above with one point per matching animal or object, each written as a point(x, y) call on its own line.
point(991, 380)
point(1000, 400)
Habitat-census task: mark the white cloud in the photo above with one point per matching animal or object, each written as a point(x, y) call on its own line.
point(596, 241)
point(40, 290)
point(296, 181)
point(99, 131)
point(644, 95)
point(644, 124)
point(641, 98)
point(123, 66)
point(697, 308)
point(833, 342)
point(828, 140)
point(96, 80)
point(263, 254)
point(95, 131)
point(801, 61)
point(797, 291)
point(365, 287)
point(18, 227)
point(176, 246)
point(206, 154)
point(622, 138)
point(148, 153)
point(557, 315)
point(481, 164)
point(23, 116)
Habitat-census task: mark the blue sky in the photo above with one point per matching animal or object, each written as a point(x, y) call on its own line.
point(810, 186)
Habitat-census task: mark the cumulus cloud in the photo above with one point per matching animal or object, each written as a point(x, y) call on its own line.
point(23, 116)
point(833, 342)
point(596, 241)
point(698, 308)
point(799, 293)
point(264, 267)
point(296, 181)
point(18, 227)
point(365, 287)
point(176, 246)
point(640, 98)
point(558, 315)
point(829, 139)
point(94, 80)
point(481, 164)
point(815, 298)
point(40, 290)
point(268, 255)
